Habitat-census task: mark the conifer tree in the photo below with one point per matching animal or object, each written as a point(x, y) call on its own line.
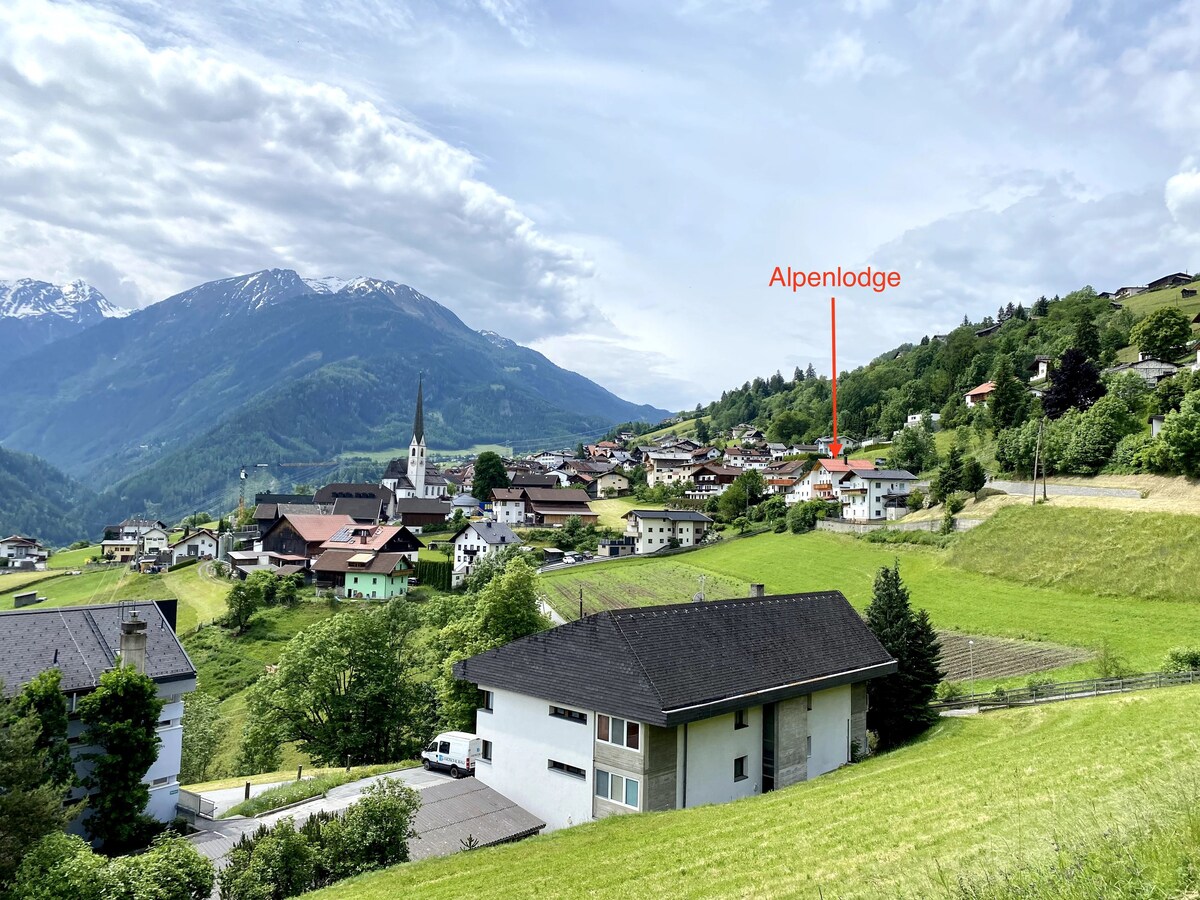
point(899, 704)
point(1087, 336)
point(1009, 400)
point(810, 372)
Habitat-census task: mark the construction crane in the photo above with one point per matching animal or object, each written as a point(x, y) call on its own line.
point(242, 485)
point(243, 474)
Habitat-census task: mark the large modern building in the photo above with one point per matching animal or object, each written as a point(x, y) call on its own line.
point(668, 707)
point(84, 642)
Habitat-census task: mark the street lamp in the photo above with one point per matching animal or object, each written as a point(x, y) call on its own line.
point(971, 651)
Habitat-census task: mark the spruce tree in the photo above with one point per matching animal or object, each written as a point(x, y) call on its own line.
point(1087, 336)
point(810, 373)
point(899, 704)
point(1009, 400)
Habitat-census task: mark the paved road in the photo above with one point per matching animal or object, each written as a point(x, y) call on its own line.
point(1064, 490)
point(220, 835)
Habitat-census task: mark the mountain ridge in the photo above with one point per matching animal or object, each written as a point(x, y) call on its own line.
point(35, 313)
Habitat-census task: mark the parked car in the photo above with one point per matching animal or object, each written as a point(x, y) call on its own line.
point(454, 752)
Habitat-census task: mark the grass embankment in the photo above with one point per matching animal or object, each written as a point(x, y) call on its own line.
point(73, 559)
point(990, 793)
point(1111, 554)
point(307, 788)
point(17, 581)
point(612, 511)
point(1140, 628)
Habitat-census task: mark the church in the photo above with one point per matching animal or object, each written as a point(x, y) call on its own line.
point(416, 479)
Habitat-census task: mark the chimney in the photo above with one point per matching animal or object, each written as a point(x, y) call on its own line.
point(133, 643)
point(758, 590)
point(362, 536)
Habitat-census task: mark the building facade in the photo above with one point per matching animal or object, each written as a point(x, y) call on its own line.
point(673, 707)
point(662, 529)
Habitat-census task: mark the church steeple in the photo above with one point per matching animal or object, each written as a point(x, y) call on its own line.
point(419, 418)
point(416, 449)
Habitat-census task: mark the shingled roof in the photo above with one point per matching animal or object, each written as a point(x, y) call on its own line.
point(82, 642)
point(667, 665)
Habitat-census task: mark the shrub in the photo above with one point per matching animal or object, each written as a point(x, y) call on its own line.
point(984, 493)
point(1110, 664)
point(1182, 659)
point(955, 503)
point(896, 536)
point(947, 521)
point(916, 499)
point(183, 564)
point(804, 516)
point(435, 573)
point(948, 691)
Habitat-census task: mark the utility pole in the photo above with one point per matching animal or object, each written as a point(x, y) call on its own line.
point(1037, 452)
point(581, 601)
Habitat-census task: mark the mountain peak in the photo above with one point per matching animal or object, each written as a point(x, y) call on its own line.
point(76, 301)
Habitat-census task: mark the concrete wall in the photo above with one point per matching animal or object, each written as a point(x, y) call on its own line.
point(960, 524)
point(660, 768)
point(524, 737)
point(829, 725)
point(858, 716)
point(712, 746)
point(791, 733)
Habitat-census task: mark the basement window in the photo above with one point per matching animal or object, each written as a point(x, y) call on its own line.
point(739, 769)
point(566, 769)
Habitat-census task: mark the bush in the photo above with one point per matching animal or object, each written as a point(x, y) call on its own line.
point(896, 536)
point(947, 521)
point(804, 516)
point(916, 499)
point(183, 564)
point(955, 503)
point(1182, 659)
point(984, 493)
point(949, 691)
point(1110, 664)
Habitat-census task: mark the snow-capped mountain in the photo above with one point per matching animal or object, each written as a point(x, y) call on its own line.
point(76, 301)
point(35, 313)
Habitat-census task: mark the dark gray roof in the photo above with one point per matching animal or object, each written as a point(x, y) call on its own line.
point(882, 474)
point(667, 665)
point(86, 638)
point(525, 479)
point(361, 509)
point(671, 515)
point(331, 493)
point(452, 811)
point(491, 532)
point(417, 505)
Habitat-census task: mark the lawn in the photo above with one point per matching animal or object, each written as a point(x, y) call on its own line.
point(984, 794)
point(18, 580)
point(611, 511)
point(318, 785)
point(1139, 629)
point(73, 559)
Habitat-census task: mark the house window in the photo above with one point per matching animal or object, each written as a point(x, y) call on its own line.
point(486, 754)
point(570, 715)
point(808, 698)
point(573, 771)
point(617, 788)
point(739, 720)
point(739, 769)
point(612, 730)
point(486, 699)
point(808, 746)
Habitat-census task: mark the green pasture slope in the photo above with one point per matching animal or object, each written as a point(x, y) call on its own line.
point(1024, 591)
point(986, 794)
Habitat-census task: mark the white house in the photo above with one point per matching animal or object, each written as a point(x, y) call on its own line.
point(154, 540)
point(915, 419)
point(656, 529)
point(476, 540)
point(16, 546)
point(670, 707)
point(980, 395)
point(199, 544)
point(508, 505)
point(1151, 370)
point(747, 458)
point(83, 642)
point(667, 466)
point(821, 481)
point(869, 495)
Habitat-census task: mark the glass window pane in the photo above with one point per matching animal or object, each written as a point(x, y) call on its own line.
point(618, 731)
point(631, 792)
point(618, 788)
point(602, 728)
point(632, 735)
point(601, 783)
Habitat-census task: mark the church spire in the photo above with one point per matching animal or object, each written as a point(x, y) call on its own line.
point(419, 419)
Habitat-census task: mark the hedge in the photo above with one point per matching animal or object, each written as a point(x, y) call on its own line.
point(190, 561)
point(436, 574)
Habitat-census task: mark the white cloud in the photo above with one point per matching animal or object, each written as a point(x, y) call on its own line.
point(845, 57)
point(865, 8)
point(512, 16)
point(177, 165)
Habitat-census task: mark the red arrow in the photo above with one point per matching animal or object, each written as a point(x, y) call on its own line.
point(835, 448)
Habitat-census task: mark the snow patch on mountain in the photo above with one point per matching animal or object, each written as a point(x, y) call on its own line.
point(498, 339)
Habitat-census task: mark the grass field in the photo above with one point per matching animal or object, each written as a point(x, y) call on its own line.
point(611, 511)
point(681, 429)
point(958, 599)
point(992, 792)
point(316, 785)
point(17, 581)
point(73, 559)
point(1109, 553)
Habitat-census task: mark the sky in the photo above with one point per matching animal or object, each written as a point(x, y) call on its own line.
point(611, 183)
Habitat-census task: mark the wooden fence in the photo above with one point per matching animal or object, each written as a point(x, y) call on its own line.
point(1068, 690)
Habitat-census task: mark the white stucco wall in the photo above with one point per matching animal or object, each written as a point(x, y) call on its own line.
point(829, 726)
point(524, 737)
point(712, 746)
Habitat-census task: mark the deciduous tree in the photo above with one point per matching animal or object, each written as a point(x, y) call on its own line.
point(43, 697)
point(489, 474)
point(121, 716)
point(1163, 334)
point(1074, 384)
point(202, 731)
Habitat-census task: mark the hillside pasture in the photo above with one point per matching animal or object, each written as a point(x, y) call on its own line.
point(980, 795)
point(1140, 630)
point(997, 658)
point(612, 511)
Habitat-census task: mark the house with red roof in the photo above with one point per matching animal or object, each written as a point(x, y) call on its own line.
point(821, 481)
point(979, 396)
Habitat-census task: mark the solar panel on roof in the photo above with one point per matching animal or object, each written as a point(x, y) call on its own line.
point(344, 534)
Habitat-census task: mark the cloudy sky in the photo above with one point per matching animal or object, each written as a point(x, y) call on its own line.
point(611, 182)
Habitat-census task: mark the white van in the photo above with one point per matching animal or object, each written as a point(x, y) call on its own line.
point(454, 751)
